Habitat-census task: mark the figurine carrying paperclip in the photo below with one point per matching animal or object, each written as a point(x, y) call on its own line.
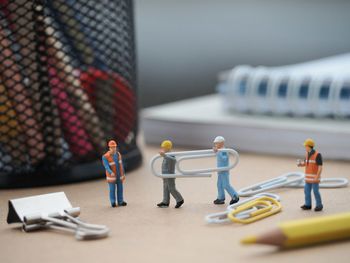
point(223, 182)
point(168, 167)
point(313, 169)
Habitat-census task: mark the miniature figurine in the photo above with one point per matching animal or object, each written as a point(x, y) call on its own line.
point(313, 168)
point(112, 161)
point(168, 167)
point(223, 177)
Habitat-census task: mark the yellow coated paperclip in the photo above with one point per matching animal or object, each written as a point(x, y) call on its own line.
point(266, 206)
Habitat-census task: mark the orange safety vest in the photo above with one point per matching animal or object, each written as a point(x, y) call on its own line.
point(311, 169)
point(110, 178)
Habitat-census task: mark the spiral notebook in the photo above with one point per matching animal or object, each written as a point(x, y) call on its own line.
point(319, 88)
point(194, 123)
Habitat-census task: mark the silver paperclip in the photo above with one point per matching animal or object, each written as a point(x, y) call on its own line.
point(283, 180)
point(324, 183)
point(221, 217)
point(187, 155)
point(52, 211)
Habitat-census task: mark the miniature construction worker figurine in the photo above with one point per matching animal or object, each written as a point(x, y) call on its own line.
point(112, 161)
point(313, 169)
point(168, 167)
point(223, 177)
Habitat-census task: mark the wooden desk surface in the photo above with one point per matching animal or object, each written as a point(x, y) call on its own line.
point(141, 232)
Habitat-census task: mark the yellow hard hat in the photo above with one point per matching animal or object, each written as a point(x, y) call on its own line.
point(167, 144)
point(309, 142)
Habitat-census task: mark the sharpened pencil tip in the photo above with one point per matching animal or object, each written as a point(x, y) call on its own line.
point(249, 240)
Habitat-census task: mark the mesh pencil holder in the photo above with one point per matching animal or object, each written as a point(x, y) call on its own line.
point(67, 86)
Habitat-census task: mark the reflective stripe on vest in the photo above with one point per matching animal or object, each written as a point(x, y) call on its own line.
point(110, 179)
point(311, 178)
point(311, 169)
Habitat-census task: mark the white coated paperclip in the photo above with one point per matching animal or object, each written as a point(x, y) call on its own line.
point(52, 211)
point(287, 180)
point(283, 180)
point(221, 217)
point(187, 155)
point(324, 183)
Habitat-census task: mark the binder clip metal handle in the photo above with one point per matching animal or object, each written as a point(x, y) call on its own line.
point(38, 217)
point(59, 221)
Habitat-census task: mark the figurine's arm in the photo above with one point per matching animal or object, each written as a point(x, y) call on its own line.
point(319, 161)
point(121, 167)
point(319, 171)
point(301, 163)
point(106, 165)
point(170, 157)
point(224, 156)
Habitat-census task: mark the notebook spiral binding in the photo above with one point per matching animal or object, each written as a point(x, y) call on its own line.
point(313, 89)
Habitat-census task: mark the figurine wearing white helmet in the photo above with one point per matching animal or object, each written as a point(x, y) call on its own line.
point(223, 182)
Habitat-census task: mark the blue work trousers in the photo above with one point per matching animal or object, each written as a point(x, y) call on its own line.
point(224, 184)
point(307, 191)
point(119, 192)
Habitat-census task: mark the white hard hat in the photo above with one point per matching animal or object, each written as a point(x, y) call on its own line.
point(219, 139)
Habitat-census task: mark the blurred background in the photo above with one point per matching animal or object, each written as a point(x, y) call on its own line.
point(183, 45)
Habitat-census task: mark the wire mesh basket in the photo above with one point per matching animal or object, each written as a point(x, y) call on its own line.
point(67, 86)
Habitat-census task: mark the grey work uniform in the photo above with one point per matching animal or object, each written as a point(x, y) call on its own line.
point(168, 167)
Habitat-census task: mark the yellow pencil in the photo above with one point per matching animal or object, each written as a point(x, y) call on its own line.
point(305, 232)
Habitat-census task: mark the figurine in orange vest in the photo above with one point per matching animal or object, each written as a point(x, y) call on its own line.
point(112, 161)
point(313, 169)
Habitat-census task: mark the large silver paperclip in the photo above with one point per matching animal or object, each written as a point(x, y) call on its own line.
point(221, 217)
point(187, 155)
point(324, 183)
point(283, 180)
point(52, 211)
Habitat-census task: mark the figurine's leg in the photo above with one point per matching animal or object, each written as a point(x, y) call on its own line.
point(173, 191)
point(112, 193)
point(120, 192)
point(307, 192)
point(316, 190)
point(227, 186)
point(221, 192)
point(166, 193)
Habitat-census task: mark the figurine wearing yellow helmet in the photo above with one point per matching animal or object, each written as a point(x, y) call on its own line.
point(313, 169)
point(168, 167)
point(168, 145)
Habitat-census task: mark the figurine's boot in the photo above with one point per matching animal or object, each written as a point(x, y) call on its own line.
point(305, 207)
point(219, 201)
point(161, 204)
point(233, 201)
point(179, 204)
point(318, 208)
